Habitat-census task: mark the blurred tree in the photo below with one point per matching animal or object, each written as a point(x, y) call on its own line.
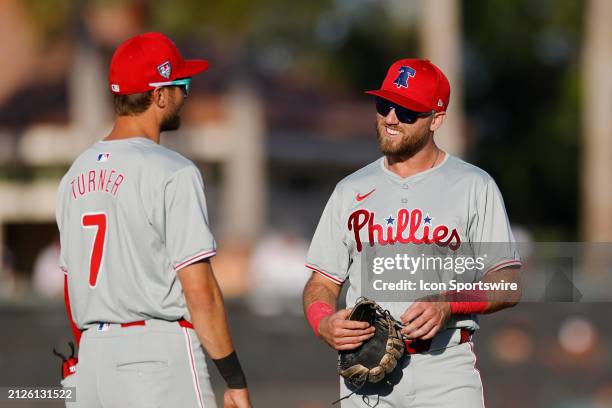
point(522, 100)
point(50, 19)
point(521, 70)
point(339, 45)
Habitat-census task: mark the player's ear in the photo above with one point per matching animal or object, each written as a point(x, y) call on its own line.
point(438, 119)
point(160, 97)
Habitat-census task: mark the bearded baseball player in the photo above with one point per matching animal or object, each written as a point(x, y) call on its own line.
point(136, 247)
point(416, 194)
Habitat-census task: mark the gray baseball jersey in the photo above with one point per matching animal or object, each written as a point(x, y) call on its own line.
point(131, 213)
point(450, 205)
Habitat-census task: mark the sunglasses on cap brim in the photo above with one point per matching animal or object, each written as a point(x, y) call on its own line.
point(384, 106)
point(183, 83)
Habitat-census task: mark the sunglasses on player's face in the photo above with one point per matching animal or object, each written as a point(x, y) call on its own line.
point(182, 83)
point(404, 115)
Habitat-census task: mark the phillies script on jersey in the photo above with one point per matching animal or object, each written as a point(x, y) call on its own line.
point(405, 231)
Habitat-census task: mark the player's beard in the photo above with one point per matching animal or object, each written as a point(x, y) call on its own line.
point(172, 121)
point(406, 147)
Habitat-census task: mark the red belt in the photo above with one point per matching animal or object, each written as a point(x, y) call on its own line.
point(423, 346)
point(181, 322)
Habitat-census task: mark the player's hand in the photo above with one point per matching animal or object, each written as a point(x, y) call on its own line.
point(343, 334)
point(424, 319)
point(237, 398)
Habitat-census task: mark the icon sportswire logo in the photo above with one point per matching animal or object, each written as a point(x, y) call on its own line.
point(360, 197)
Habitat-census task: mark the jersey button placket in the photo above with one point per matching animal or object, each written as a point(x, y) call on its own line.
point(405, 187)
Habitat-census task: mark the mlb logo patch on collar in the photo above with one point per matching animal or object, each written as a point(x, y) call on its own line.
point(103, 157)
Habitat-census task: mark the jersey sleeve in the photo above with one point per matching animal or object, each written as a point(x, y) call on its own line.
point(62, 263)
point(188, 235)
point(490, 233)
point(59, 209)
point(328, 254)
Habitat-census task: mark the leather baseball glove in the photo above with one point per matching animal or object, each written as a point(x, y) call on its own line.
point(378, 356)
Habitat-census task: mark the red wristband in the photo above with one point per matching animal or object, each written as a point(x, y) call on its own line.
point(315, 312)
point(468, 307)
point(468, 301)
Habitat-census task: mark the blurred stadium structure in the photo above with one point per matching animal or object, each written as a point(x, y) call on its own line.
point(280, 118)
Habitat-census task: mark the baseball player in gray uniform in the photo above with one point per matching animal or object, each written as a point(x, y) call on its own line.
point(135, 248)
point(416, 194)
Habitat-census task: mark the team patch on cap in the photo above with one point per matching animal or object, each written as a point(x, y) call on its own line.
point(405, 73)
point(440, 103)
point(165, 69)
point(103, 157)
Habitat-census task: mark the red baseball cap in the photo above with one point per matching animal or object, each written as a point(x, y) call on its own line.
point(415, 84)
point(146, 59)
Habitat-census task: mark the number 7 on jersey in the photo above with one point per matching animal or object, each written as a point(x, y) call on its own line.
point(97, 221)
